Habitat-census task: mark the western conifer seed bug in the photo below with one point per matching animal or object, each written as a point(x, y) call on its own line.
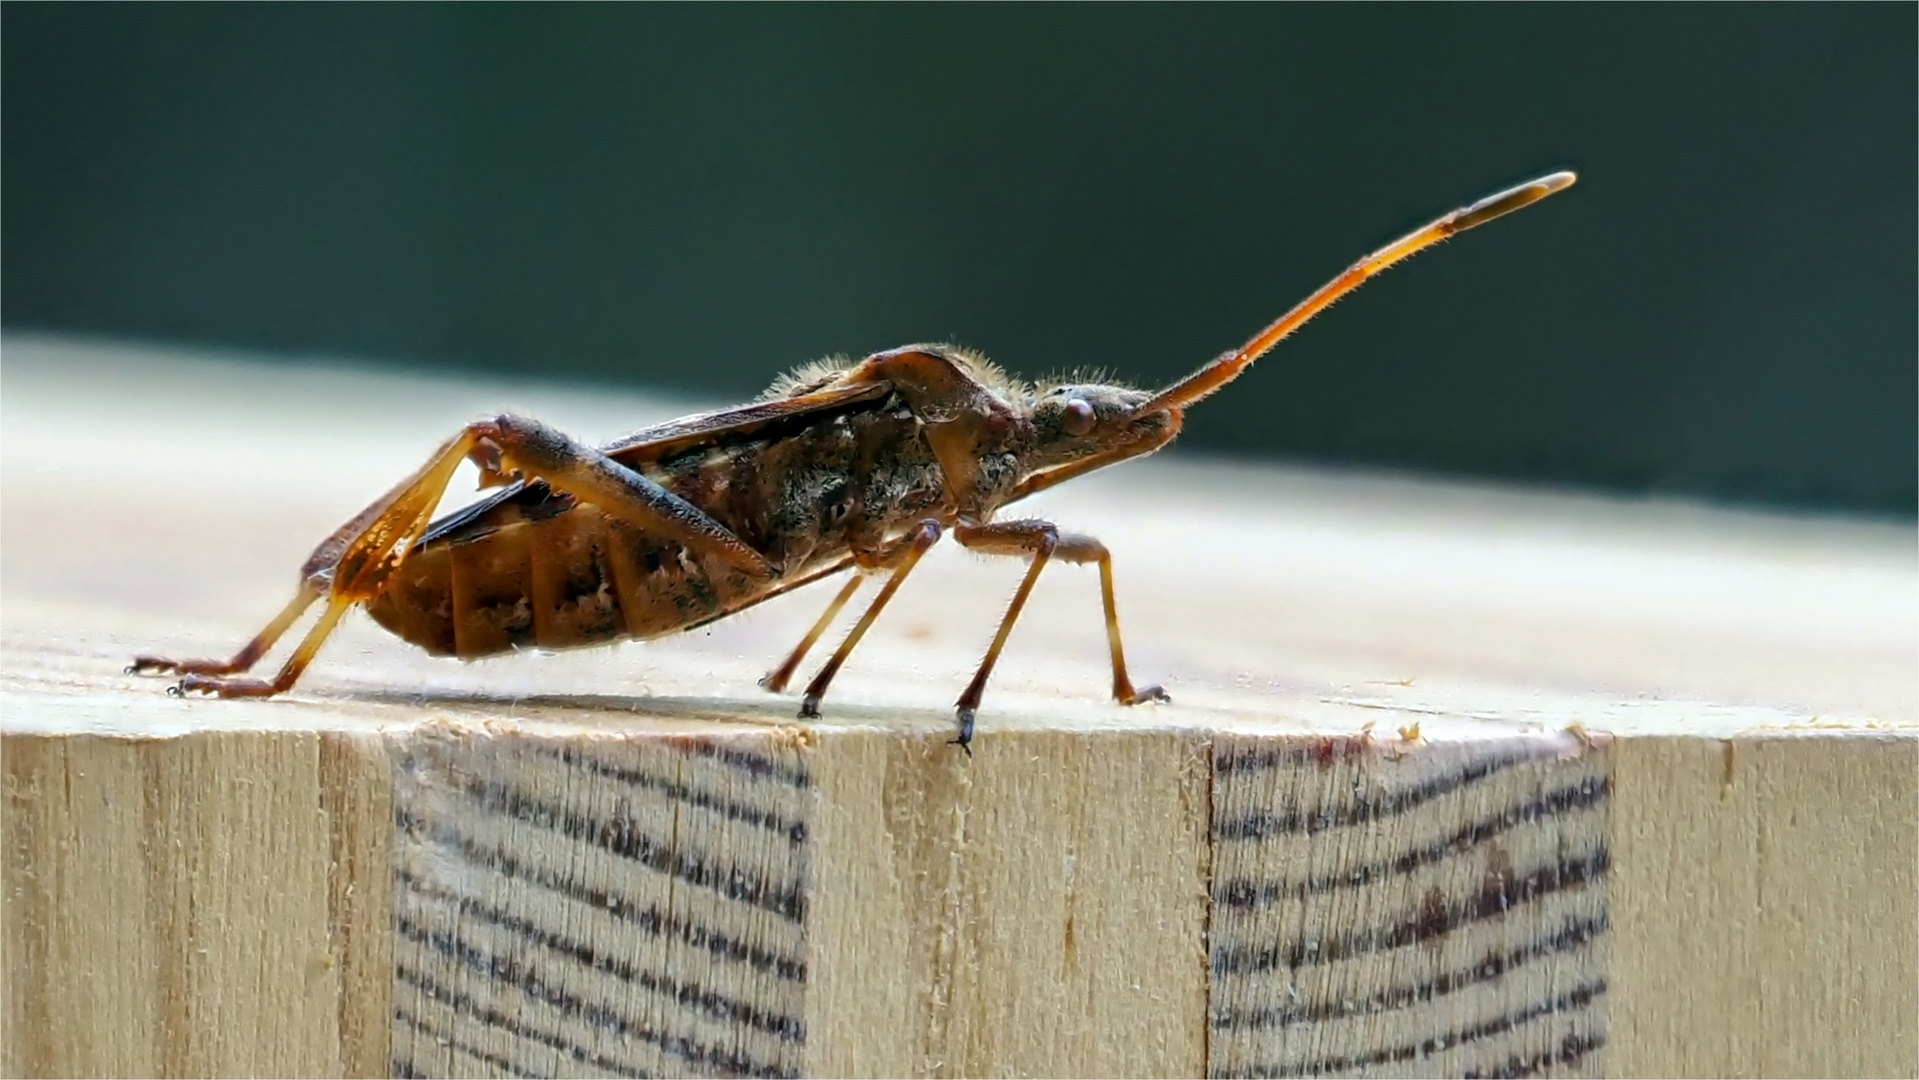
point(840, 465)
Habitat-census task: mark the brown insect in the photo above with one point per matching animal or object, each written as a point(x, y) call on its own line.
point(860, 466)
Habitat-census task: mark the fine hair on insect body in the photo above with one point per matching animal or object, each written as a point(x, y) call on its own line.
point(859, 466)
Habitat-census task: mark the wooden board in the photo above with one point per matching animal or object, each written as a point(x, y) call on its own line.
point(1456, 781)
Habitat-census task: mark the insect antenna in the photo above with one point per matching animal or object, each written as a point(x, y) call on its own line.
point(1206, 380)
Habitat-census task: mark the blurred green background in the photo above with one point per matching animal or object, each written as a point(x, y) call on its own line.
point(695, 197)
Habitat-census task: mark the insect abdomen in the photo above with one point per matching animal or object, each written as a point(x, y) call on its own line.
point(559, 582)
point(528, 567)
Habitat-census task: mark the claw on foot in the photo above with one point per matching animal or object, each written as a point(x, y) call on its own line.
point(965, 738)
point(1142, 696)
point(810, 707)
point(155, 665)
point(219, 687)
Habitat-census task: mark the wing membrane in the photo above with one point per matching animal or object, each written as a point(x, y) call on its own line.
point(744, 421)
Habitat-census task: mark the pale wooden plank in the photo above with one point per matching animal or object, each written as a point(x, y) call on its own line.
point(1061, 903)
point(74, 827)
point(175, 895)
point(356, 794)
point(1038, 910)
point(1765, 911)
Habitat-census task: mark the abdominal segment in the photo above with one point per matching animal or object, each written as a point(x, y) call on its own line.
point(575, 578)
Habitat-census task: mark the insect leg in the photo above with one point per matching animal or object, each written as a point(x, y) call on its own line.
point(890, 557)
point(1043, 541)
point(349, 566)
point(227, 686)
point(355, 563)
point(902, 559)
point(777, 679)
point(527, 447)
point(247, 656)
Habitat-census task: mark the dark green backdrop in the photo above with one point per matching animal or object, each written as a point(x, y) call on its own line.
point(696, 197)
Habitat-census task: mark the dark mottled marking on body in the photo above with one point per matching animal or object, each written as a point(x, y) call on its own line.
point(575, 601)
point(492, 594)
point(417, 603)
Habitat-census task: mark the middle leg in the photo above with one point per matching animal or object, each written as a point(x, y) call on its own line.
point(903, 556)
point(777, 679)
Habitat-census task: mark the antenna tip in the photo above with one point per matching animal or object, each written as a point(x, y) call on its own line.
point(1511, 199)
point(1558, 181)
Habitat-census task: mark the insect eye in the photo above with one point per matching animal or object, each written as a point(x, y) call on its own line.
point(1079, 417)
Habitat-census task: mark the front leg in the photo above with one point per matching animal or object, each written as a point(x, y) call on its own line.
point(1042, 541)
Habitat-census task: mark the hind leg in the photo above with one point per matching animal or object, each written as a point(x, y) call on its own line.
point(355, 563)
point(248, 655)
point(232, 686)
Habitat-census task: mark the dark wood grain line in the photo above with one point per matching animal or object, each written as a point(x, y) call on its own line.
point(719, 1006)
point(646, 917)
point(1565, 875)
point(1571, 1050)
point(1575, 999)
point(510, 971)
point(455, 1042)
point(1260, 825)
point(1588, 793)
point(624, 837)
point(758, 817)
point(493, 1018)
point(1574, 934)
point(1320, 751)
point(758, 766)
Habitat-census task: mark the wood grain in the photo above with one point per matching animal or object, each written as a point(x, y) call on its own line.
point(356, 796)
point(1456, 782)
point(1442, 913)
point(168, 903)
point(630, 906)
